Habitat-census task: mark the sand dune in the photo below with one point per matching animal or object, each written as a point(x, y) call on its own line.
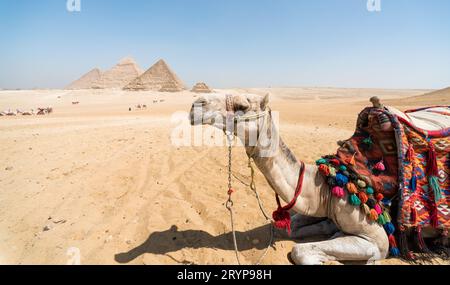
point(108, 181)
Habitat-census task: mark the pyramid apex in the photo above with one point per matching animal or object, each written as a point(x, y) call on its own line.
point(161, 61)
point(127, 60)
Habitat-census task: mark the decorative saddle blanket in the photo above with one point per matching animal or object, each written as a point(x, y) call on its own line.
point(396, 156)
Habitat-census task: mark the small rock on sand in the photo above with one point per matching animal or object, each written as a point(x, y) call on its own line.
point(9, 168)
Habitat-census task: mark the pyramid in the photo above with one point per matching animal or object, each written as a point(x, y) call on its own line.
point(157, 78)
point(86, 81)
point(169, 87)
point(201, 88)
point(118, 76)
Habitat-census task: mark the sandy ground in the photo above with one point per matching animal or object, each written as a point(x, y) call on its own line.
point(110, 183)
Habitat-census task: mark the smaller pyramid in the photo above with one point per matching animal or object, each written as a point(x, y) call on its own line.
point(201, 87)
point(119, 76)
point(159, 77)
point(86, 81)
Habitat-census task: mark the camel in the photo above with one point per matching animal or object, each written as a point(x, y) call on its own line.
point(355, 238)
point(44, 111)
point(10, 113)
point(30, 113)
point(41, 111)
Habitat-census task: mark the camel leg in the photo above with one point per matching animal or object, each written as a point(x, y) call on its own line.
point(306, 227)
point(299, 220)
point(345, 248)
point(323, 228)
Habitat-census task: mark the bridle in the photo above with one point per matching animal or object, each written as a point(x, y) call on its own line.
point(232, 119)
point(281, 217)
point(230, 107)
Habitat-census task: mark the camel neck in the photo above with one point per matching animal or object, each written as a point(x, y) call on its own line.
point(281, 170)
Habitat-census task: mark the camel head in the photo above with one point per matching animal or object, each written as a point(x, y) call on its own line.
point(211, 109)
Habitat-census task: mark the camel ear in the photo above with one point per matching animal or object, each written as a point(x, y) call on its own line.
point(265, 101)
point(241, 103)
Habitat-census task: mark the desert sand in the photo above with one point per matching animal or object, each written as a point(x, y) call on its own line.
point(108, 181)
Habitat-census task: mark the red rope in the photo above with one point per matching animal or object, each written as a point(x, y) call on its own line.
point(281, 216)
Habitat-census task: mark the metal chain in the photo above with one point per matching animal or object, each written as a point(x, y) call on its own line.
point(230, 204)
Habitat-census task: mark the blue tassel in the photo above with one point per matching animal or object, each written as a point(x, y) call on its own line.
point(434, 184)
point(370, 190)
point(395, 251)
point(389, 228)
point(413, 183)
point(341, 179)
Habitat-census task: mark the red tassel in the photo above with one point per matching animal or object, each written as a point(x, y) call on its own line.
point(432, 168)
point(335, 162)
point(379, 197)
point(413, 215)
point(324, 169)
point(410, 153)
point(282, 219)
point(392, 241)
point(380, 166)
point(420, 242)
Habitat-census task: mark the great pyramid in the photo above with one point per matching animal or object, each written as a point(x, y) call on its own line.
point(201, 88)
point(159, 77)
point(86, 81)
point(119, 76)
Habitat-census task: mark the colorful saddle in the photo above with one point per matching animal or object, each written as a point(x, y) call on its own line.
point(396, 157)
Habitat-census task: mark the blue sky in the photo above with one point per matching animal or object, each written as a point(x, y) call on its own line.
point(231, 43)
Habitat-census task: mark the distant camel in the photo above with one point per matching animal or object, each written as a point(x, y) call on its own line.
point(44, 111)
point(40, 112)
point(10, 113)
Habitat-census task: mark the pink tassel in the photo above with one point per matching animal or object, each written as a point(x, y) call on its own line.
point(338, 191)
point(378, 209)
point(380, 166)
point(432, 168)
